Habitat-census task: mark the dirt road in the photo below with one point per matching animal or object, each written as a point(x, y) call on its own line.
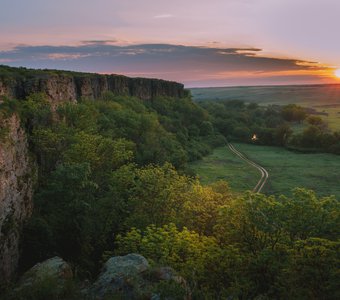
point(263, 171)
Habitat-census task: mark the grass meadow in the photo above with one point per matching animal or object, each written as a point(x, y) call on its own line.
point(287, 170)
point(225, 165)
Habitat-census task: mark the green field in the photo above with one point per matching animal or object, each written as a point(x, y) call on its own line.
point(223, 164)
point(327, 94)
point(320, 172)
point(333, 118)
point(322, 98)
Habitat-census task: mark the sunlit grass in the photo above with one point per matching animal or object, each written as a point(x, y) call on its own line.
point(333, 118)
point(320, 172)
point(225, 165)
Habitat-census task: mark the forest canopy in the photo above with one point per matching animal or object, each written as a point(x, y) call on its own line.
point(112, 180)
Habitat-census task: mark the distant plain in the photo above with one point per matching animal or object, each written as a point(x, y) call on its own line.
point(287, 169)
point(324, 99)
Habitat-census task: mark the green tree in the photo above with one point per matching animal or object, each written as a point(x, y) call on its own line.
point(313, 271)
point(153, 196)
point(35, 111)
point(66, 203)
point(194, 256)
point(252, 221)
point(306, 216)
point(293, 113)
point(311, 137)
point(201, 205)
point(102, 154)
point(49, 145)
point(83, 116)
point(282, 134)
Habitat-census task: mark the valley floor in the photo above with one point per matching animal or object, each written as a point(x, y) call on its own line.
point(287, 169)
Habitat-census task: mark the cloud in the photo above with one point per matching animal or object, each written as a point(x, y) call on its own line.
point(164, 16)
point(5, 60)
point(99, 42)
point(66, 56)
point(200, 66)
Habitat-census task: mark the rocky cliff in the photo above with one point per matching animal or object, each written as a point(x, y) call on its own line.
point(70, 86)
point(16, 186)
point(15, 167)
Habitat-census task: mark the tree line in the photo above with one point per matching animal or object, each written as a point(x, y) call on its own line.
point(273, 125)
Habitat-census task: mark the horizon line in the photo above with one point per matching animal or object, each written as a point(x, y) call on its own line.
point(261, 85)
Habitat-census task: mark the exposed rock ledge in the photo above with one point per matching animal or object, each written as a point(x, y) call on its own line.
point(71, 86)
point(16, 181)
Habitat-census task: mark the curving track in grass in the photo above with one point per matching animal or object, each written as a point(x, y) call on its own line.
point(264, 173)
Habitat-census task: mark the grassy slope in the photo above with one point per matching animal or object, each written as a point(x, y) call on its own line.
point(287, 170)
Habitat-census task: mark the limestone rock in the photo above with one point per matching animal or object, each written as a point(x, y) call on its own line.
point(49, 279)
point(16, 189)
point(131, 277)
point(68, 86)
point(121, 274)
point(54, 268)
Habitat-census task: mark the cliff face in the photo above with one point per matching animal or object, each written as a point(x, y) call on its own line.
point(16, 171)
point(71, 87)
point(16, 181)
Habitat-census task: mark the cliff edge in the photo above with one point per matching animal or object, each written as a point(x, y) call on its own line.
point(16, 168)
point(71, 86)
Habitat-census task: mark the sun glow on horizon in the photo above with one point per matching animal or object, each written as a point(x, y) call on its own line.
point(337, 73)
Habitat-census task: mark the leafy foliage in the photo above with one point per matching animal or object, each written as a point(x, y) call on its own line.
point(85, 150)
point(261, 247)
point(112, 178)
point(272, 125)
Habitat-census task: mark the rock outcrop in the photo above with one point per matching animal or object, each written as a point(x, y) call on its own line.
point(131, 277)
point(54, 269)
point(123, 277)
point(50, 279)
point(16, 188)
point(121, 274)
point(70, 86)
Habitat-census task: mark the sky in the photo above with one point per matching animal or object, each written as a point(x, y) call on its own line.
point(199, 43)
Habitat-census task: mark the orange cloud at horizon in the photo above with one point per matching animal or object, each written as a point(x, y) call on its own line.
point(192, 65)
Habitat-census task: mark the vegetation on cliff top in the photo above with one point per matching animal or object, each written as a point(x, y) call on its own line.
point(113, 179)
point(9, 73)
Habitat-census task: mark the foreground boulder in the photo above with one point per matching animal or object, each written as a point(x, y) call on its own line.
point(121, 274)
point(122, 277)
point(52, 274)
point(131, 277)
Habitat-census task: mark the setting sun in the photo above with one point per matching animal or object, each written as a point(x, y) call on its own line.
point(337, 73)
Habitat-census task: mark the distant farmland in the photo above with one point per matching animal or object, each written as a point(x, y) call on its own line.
point(323, 98)
point(308, 94)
